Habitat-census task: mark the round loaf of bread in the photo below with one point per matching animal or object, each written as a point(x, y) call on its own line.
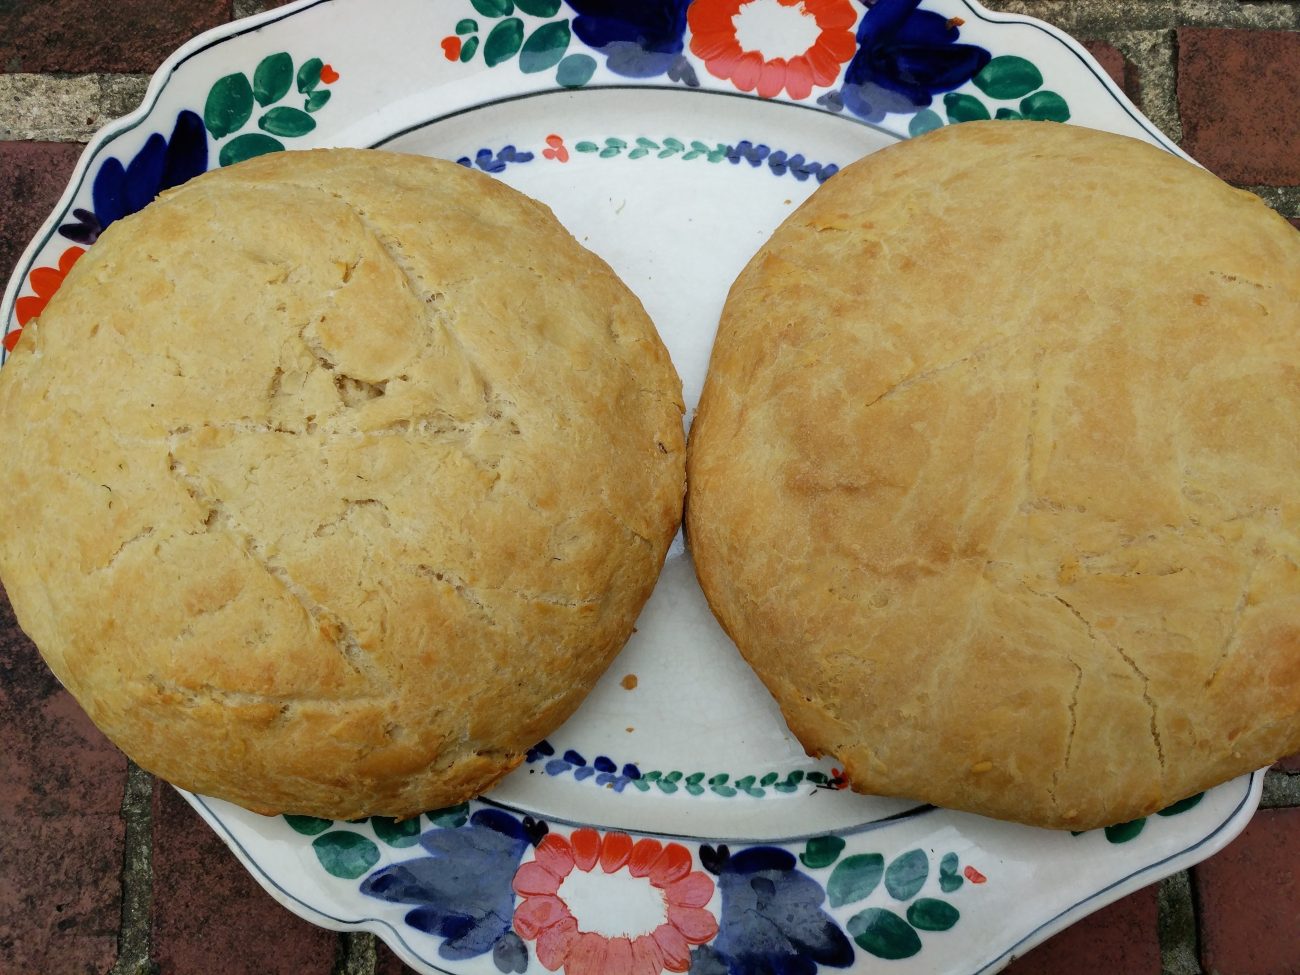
point(334, 480)
point(994, 478)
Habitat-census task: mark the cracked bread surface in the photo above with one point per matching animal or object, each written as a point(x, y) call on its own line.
point(334, 480)
point(993, 479)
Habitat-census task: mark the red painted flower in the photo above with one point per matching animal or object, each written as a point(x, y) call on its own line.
point(715, 37)
point(555, 149)
point(544, 916)
point(328, 75)
point(44, 281)
point(451, 47)
point(974, 876)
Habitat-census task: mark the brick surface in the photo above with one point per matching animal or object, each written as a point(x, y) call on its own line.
point(1292, 762)
point(60, 830)
point(33, 176)
point(210, 915)
point(388, 963)
point(1250, 899)
point(1237, 93)
point(90, 35)
point(1122, 71)
point(1120, 939)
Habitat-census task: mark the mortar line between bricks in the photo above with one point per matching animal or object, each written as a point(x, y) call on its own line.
point(1157, 14)
point(134, 939)
point(1176, 926)
point(356, 954)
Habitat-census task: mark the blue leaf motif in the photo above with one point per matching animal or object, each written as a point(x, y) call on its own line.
point(771, 920)
point(639, 40)
point(905, 56)
point(462, 888)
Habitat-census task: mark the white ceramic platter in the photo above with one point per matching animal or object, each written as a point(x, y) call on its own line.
point(674, 824)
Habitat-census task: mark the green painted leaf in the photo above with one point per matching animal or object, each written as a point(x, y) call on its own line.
point(653, 775)
point(745, 783)
point(272, 78)
point(317, 100)
point(929, 914)
point(822, 851)
point(575, 71)
point(906, 875)
point(638, 153)
point(229, 105)
point(1123, 832)
point(503, 42)
point(695, 778)
point(1045, 106)
point(1008, 113)
point(949, 878)
point(883, 934)
point(818, 778)
point(926, 120)
point(719, 779)
point(674, 144)
point(725, 791)
point(854, 878)
point(451, 817)
point(539, 8)
point(467, 26)
point(345, 854)
point(693, 154)
point(1182, 805)
point(309, 75)
point(964, 108)
point(769, 779)
point(585, 146)
point(718, 154)
point(614, 143)
point(645, 143)
point(247, 146)
point(468, 50)
point(308, 825)
point(695, 790)
point(785, 787)
point(641, 784)
point(288, 123)
point(668, 788)
point(494, 8)
point(394, 833)
point(544, 47)
point(675, 776)
point(1008, 77)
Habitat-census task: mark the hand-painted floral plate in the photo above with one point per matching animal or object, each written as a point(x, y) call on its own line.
point(673, 824)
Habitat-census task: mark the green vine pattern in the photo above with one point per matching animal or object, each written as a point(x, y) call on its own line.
point(668, 148)
point(1004, 79)
point(234, 98)
point(539, 47)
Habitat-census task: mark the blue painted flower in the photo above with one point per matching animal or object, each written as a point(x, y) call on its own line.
point(639, 39)
point(120, 190)
point(462, 888)
point(905, 57)
point(772, 918)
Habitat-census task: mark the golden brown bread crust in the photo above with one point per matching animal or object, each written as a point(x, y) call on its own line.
point(334, 480)
point(994, 475)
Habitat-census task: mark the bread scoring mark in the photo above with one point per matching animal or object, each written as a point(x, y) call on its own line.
point(329, 624)
point(926, 375)
point(1132, 664)
point(1234, 627)
point(138, 536)
point(205, 694)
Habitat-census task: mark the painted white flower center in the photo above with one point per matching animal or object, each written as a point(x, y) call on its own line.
point(613, 904)
point(774, 29)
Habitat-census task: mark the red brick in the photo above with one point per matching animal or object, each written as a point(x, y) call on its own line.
point(1120, 939)
point(61, 788)
point(388, 963)
point(1122, 71)
point(209, 913)
point(90, 35)
point(1250, 899)
point(33, 175)
point(1237, 95)
point(1292, 762)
